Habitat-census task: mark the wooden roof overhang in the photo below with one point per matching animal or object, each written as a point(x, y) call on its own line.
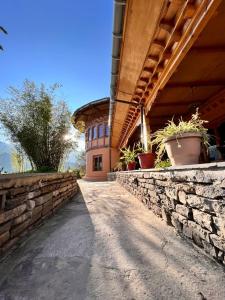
point(89, 112)
point(157, 36)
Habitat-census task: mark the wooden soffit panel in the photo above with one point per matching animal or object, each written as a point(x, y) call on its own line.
point(140, 25)
point(176, 28)
point(141, 21)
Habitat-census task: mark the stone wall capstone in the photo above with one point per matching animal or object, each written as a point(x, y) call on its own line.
point(191, 200)
point(26, 200)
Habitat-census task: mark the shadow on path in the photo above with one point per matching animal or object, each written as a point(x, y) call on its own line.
point(54, 261)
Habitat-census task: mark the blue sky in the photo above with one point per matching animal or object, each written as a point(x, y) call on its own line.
point(65, 41)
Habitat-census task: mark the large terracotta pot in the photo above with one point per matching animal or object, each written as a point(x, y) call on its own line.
point(146, 160)
point(131, 166)
point(184, 149)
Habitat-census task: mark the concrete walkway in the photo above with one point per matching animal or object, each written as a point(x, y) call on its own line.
point(106, 245)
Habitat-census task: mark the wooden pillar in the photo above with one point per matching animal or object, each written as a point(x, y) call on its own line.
point(142, 125)
point(146, 132)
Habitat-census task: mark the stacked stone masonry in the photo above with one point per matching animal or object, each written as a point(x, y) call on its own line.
point(193, 201)
point(26, 200)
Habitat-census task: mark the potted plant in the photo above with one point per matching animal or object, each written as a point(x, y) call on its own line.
point(120, 166)
point(182, 142)
point(145, 155)
point(129, 156)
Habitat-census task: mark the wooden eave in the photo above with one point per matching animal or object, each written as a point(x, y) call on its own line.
point(140, 23)
point(147, 64)
point(91, 111)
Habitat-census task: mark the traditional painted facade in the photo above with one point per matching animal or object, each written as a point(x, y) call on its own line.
point(92, 119)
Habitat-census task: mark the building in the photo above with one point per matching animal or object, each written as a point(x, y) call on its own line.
point(168, 58)
point(92, 119)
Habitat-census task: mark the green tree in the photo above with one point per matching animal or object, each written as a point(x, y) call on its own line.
point(18, 160)
point(38, 124)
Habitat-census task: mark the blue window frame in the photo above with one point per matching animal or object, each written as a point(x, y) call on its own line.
point(101, 132)
point(106, 130)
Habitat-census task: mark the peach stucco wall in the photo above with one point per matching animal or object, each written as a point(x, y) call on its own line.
point(100, 175)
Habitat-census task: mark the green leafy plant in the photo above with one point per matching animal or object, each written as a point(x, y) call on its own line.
point(195, 125)
point(120, 166)
point(163, 164)
point(141, 149)
point(129, 155)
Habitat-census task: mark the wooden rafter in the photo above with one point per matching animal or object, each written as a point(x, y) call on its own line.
point(154, 58)
point(148, 69)
point(167, 25)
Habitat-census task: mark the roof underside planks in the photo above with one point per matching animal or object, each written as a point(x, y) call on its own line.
point(136, 71)
point(199, 77)
point(140, 24)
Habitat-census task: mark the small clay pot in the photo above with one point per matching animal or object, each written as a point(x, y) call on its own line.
point(146, 160)
point(184, 149)
point(131, 166)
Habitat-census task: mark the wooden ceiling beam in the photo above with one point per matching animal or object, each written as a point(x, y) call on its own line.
point(147, 93)
point(181, 103)
point(150, 86)
point(191, 84)
point(177, 35)
point(190, 11)
point(164, 117)
point(167, 54)
point(208, 49)
point(177, 2)
point(199, 16)
point(155, 78)
point(160, 67)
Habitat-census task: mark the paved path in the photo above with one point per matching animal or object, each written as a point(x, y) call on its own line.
point(106, 245)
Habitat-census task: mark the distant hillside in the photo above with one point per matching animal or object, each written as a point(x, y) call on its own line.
point(5, 157)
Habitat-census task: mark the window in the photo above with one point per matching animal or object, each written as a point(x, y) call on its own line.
point(106, 130)
point(94, 132)
point(101, 130)
point(97, 163)
point(89, 134)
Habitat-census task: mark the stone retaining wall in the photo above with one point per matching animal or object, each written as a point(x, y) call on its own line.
point(26, 200)
point(191, 200)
